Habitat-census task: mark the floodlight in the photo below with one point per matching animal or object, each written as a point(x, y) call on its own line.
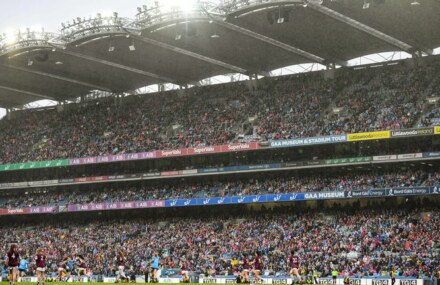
point(9, 36)
point(366, 5)
point(106, 14)
point(415, 3)
point(132, 47)
point(181, 5)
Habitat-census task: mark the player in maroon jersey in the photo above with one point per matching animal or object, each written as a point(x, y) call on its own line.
point(294, 267)
point(185, 272)
point(245, 269)
point(80, 266)
point(257, 268)
point(40, 262)
point(12, 261)
point(120, 261)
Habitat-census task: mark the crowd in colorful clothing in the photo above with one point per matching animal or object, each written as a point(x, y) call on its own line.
point(285, 107)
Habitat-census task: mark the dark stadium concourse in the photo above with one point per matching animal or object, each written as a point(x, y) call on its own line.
point(116, 54)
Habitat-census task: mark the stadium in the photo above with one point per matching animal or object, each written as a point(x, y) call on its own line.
point(228, 141)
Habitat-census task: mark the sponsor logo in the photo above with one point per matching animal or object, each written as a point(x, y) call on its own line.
point(326, 281)
point(231, 281)
point(119, 157)
point(408, 191)
point(293, 197)
point(132, 156)
point(408, 282)
point(277, 198)
point(236, 147)
point(437, 130)
point(416, 132)
point(279, 281)
point(410, 155)
point(171, 152)
point(241, 200)
point(112, 206)
point(368, 136)
point(173, 203)
point(256, 199)
point(103, 159)
point(379, 282)
point(324, 195)
point(221, 201)
point(187, 202)
point(151, 154)
point(355, 281)
point(206, 201)
point(200, 150)
point(209, 280)
point(309, 141)
point(142, 204)
point(15, 211)
point(385, 157)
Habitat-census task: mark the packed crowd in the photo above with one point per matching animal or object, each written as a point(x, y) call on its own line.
point(221, 188)
point(360, 242)
point(372, 99)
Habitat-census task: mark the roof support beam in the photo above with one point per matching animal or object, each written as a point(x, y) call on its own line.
point(119, 66)
point(32, 94)
point(268, 40)
point(57, 77)
point(191, 54)
point(360, 26)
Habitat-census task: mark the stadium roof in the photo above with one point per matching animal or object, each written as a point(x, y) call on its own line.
point(184, 46)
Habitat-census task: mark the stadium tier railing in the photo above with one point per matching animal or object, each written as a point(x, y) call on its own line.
point(352, 137)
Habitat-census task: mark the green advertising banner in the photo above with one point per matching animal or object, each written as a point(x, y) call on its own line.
point(349, 160)
point(32, 165)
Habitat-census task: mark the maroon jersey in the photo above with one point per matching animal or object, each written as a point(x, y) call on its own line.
point(64, 263)
point(120, 260)
point(40, 260)
point(245, 263)
point(81, 263)
point(183, 266)
point(257, 263)
point(13, 258)
point(294, 261)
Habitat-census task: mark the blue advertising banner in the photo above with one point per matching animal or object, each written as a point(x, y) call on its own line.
point(308, 141)
point(431, 154)
point(290, 197)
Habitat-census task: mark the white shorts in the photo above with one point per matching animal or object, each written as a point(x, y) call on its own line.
point(121, 269)
point(41, 269)
point(245, 270)
point(61, 269)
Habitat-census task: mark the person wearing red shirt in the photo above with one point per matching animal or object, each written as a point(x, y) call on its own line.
point(12, 260)
point(40, 262)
